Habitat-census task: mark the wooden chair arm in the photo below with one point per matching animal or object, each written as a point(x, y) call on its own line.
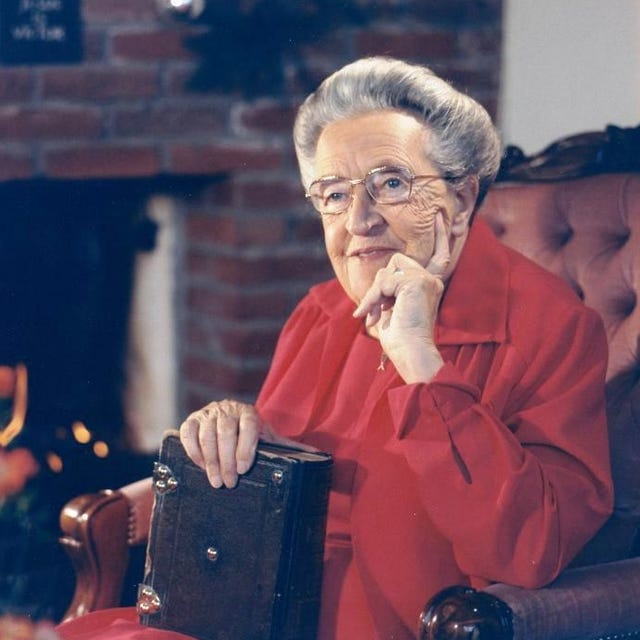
point(94, 528)
point(140, 496)
point(98, 531)
point(599, 601)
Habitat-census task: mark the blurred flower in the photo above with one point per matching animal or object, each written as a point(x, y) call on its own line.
point(13, 402)
point(16, 467)
point(7, 381)
point(28, 537)
point(21, 628)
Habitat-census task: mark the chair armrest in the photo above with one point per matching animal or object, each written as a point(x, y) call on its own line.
point(140, 496)
point(94, 528)
point(98, 530)
point(587, 602)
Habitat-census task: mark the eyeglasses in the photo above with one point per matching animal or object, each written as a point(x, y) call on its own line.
point(332, 195)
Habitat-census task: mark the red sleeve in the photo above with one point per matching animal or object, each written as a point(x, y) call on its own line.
point(525, 460)
point(288, 392)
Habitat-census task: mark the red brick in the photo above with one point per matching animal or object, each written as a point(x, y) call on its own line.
point(200, 369)
point(119, 11)
point(94, 45)
point(269, 117)
point(177, 79)
point(200, 336)
point(204, 159)
point(476, 42)
point(219, 193)
point(150, 45)
point(244, 271)
point(239, 304)
point(16, 84)
point(15, 165)
point(423, 45)
point(235, 378)
point(102, 83)
point(269, 195)
point(196, 398)
point(247, 342)
point(19, 123)
point(167, 120)
point(458, 13)
point(470, 80)
point(101, 161)
point(234, 230)
point(308, 228)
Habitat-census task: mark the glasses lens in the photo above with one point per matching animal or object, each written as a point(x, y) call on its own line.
point(389, 185)
point(330, 196)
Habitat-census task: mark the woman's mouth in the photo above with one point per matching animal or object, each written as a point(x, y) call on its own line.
point(371, 253)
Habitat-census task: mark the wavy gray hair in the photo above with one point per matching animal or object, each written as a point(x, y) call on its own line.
point(463, 139)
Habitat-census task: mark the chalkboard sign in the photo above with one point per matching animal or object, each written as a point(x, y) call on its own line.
point(40, 31)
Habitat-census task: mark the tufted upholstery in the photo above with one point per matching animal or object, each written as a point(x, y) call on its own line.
point(574, 208)
point(588, 232)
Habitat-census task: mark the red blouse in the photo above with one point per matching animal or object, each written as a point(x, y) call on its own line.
point(496, 470)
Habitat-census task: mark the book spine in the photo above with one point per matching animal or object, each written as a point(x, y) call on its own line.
point(302, 602)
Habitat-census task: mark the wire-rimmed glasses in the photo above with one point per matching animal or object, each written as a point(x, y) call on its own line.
point(332, 195)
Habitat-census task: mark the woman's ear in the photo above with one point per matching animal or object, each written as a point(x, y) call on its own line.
point(465, 194)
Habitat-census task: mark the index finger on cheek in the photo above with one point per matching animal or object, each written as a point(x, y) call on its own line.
point(442, 237)
point(441, 253)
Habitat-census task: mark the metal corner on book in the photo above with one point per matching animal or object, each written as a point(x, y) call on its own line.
point(148, 601)
point(164, 480)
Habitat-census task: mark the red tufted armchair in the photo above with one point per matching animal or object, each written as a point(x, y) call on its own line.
point(575, 209)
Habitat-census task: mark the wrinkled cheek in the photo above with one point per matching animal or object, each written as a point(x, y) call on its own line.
point(421, 214)
point(335, 247)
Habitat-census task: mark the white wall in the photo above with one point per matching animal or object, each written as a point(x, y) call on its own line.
point(151, 391)
point(568, 66)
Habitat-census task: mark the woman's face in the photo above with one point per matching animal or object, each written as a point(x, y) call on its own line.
point(362, 239)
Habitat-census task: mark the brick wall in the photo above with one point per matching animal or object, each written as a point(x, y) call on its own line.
point(251, 247)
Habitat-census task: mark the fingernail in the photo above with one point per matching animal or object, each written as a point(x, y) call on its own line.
point(214, 479)
point(231, 481)
point(242, 466)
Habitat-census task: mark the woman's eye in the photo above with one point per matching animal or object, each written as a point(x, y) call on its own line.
point(392, 183)
point(335, 196)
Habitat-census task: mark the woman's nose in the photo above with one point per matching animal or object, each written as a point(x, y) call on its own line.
point(362, 213)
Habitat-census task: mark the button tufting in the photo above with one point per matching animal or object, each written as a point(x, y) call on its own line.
point(578, 289)
point(564, 236)
point(622, 239)
point(626, 304)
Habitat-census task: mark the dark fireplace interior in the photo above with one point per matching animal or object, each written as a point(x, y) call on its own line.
point(66, 254)
point(67, 251)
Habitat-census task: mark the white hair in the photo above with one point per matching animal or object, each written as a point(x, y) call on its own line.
point(463, 140)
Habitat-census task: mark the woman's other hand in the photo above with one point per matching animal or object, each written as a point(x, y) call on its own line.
point(401, 307)
point(222, 438)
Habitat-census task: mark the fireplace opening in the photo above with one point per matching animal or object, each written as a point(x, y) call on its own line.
point(73, 256)
point(67, 253)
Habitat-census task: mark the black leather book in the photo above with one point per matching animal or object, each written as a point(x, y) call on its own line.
point(242, 563)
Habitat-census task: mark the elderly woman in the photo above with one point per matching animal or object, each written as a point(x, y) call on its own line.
point(458, 386)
